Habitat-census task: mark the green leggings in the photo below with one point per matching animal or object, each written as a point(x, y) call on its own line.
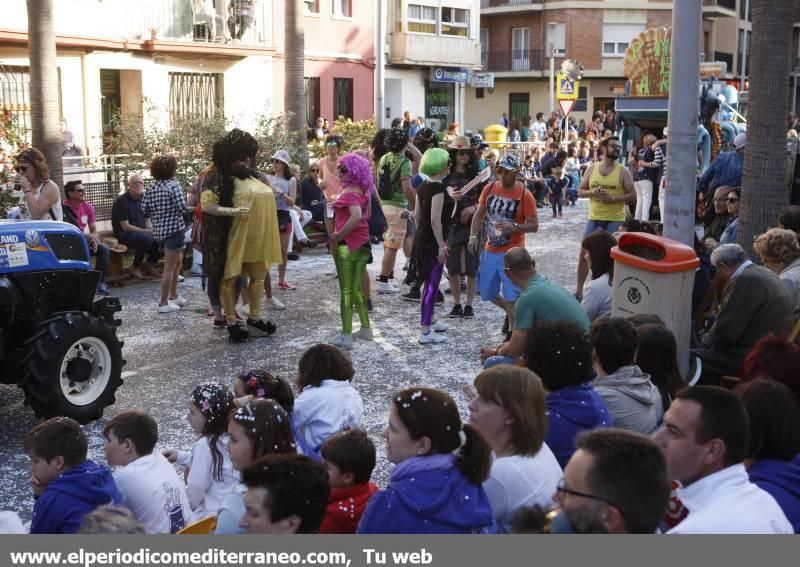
point(350, 266)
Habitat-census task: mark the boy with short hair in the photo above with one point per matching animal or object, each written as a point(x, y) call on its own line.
point(66, 484)
point(349, 457)
point(149, 484)
point(286, 494)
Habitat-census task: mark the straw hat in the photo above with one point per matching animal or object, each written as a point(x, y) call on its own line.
point(461, 143)
point(114, 245)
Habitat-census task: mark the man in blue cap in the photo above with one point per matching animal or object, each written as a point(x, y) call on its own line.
point(511, 212)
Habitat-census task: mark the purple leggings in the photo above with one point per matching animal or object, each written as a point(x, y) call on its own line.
point(430, 287)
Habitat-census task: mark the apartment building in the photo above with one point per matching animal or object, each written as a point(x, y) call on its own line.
point(339, 73)
point(514, 47)
point(158, 60)
point(432, 47)
point(516, 34)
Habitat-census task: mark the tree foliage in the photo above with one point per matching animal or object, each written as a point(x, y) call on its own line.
point(11, 142)
point(357, 135)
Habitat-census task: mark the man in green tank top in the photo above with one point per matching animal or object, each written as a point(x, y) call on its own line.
point(609, 187)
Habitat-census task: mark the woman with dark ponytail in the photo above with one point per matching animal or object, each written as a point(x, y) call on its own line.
point(436, 485)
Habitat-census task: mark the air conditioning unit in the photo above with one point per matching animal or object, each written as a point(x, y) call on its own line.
point(559, 52)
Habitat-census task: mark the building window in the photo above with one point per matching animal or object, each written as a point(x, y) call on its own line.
point(195, 95)
point(312, 6)
point(15, 97)
point(421, 19)
point(455, 21)
point(581, 102)
point(342, 98)
point(558, 37)
point(342, 8)
point(312, 100)
point(616, 38)
point(520, 49)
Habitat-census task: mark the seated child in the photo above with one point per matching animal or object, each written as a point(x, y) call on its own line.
point(349, 457)
point(149, 485)
point(257, 383)
point(67, 485)
point(211, 475)
point(327, 402)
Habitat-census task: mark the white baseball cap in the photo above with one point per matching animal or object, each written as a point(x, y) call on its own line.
point(740, 141)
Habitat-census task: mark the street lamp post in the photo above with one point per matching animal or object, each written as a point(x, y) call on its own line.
point(551, 26)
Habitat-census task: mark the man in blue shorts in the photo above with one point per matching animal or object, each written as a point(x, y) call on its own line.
point(511, 212)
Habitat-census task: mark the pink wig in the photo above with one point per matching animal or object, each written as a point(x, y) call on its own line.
point(359, 172)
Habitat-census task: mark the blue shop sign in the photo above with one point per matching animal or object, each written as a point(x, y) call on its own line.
point(449, 75)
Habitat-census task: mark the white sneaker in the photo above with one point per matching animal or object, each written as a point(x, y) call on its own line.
point(168, 308)
point(344, 342)
point(387, 287)
point(181, 279)
point(431, 338)
point(180, 301)
point(439, 326)
point(364, 333)
point(275, 303)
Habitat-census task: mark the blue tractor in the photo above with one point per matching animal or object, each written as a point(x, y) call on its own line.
point(57, 342)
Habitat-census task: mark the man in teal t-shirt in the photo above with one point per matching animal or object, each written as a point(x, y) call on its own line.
point(541, 300)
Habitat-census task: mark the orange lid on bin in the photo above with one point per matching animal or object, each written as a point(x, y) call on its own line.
point(654, 253)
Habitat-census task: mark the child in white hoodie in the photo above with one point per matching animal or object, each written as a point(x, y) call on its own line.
point(211, 475)
point(327, 402)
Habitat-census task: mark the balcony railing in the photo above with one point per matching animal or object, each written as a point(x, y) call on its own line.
point(198, 20)
point(500, 3)
point(512, 60)
point(165, 20)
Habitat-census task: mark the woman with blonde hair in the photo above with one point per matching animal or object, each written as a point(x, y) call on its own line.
point(510, 412)
point(41, 196)
point(780, 252)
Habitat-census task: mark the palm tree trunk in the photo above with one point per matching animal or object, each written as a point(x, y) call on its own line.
point(765, 184)
point(294, 99)
point(45, 132)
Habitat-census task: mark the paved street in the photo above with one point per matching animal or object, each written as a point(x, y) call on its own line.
point(168, 354)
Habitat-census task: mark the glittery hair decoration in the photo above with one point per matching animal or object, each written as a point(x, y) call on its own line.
point(214, 400)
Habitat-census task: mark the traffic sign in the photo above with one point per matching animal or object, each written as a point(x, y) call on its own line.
point(567, 88)
point(566, 105)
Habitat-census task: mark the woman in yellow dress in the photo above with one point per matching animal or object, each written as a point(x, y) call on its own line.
point(242, 230)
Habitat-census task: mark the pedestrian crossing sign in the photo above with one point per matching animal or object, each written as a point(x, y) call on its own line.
point(567, 89)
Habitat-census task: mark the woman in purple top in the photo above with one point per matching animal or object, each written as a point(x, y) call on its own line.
point(350, 242)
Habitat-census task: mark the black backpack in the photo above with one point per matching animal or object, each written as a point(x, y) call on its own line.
point(386, 179)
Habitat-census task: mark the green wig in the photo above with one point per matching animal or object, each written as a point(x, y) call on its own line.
point(434, 161)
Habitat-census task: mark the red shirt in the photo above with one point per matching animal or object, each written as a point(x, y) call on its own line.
point(345, 507)
point(341, 214)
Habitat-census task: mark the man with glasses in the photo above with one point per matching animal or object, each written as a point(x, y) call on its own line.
point(511, 213)
point(755, 303)
point(717, 226)
point(609, 186)
point(310, 195)
point(83, 217)
point(133, 229)
point(614, 483)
